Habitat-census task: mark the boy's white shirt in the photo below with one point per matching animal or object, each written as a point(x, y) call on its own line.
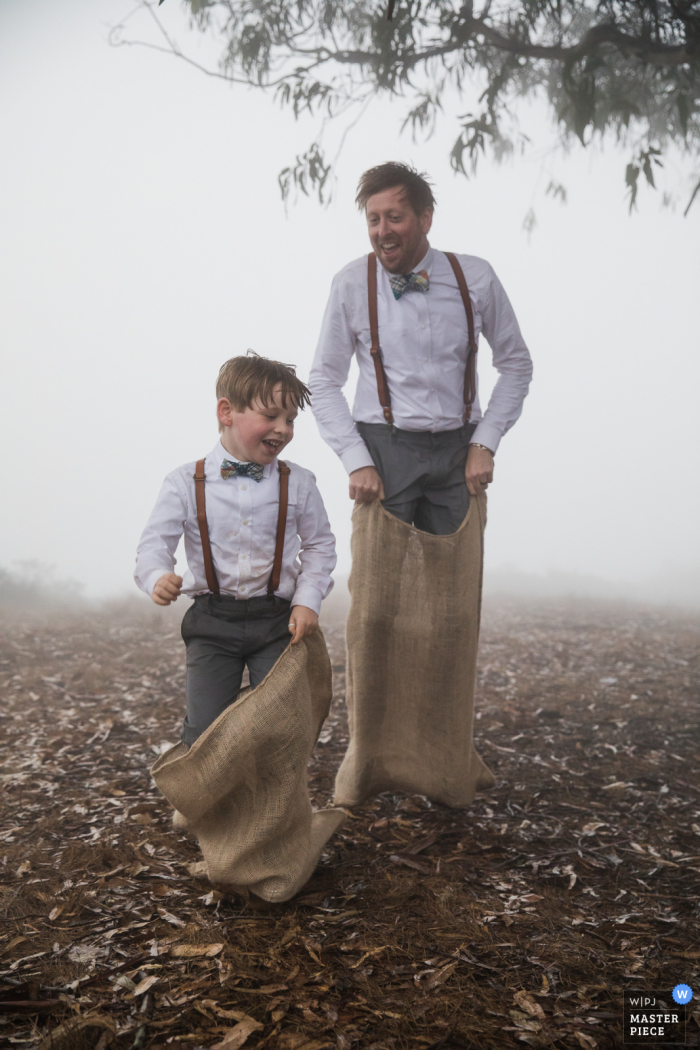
point(242, 519)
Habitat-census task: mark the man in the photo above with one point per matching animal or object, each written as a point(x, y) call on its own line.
point(416, 439)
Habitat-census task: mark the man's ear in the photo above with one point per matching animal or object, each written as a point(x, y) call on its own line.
point(426, 220)
point(224, 411)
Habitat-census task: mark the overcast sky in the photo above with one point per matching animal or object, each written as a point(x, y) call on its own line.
point(144, 242)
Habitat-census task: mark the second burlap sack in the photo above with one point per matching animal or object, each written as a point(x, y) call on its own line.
point(242, 788)
point(412, 637)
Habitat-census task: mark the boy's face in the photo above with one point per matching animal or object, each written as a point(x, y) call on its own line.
point(260, 432)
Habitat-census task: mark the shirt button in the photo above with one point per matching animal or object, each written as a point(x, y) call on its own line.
point(244, 523)
point(244, 487)
point(242, 555)
point(242, 588)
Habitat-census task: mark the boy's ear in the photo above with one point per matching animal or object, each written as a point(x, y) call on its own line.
point(224, 411)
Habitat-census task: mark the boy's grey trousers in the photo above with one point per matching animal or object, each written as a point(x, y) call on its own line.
point(422, 474)
point(222, 635)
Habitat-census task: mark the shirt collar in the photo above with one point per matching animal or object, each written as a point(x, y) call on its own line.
point(218, 454)
point(426, 262)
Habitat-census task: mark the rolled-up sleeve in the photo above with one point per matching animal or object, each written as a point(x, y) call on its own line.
point(317, 553)
point(511, 359)
point(328, 376)
point(155, 554)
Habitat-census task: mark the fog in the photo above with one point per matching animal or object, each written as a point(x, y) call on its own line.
point(145, 242)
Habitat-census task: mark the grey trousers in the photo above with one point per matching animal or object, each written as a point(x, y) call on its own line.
point(422, 474)
point(222, 635)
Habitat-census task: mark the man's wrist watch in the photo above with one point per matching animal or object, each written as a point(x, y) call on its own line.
point(475, 444)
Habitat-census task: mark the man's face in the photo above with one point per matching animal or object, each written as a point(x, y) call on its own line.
point(397, 234)
point(260, 432)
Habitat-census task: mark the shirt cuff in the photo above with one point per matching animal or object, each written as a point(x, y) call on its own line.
point(356, 457)
point(486, 434)
point(306, 594)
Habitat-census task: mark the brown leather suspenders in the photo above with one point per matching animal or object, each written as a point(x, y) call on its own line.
point(382, 385)
point(212, 582)
point(199, 476)
point(274, 581)
point(470, 370)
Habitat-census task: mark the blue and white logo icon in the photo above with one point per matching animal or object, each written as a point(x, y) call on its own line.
point(682, 994)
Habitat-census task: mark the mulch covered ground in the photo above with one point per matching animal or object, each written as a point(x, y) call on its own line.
point(519, 920)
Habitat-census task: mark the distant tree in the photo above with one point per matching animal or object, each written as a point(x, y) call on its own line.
point(34, 584)
point(621, 70)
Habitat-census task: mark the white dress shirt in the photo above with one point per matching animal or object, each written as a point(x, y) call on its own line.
point(242, 519)
point(423, 337)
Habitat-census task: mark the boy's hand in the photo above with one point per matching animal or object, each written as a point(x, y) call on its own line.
point(167, 589)
point(302, 622)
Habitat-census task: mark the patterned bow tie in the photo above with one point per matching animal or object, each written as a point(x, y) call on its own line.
point(246, 470)
point(400, 284)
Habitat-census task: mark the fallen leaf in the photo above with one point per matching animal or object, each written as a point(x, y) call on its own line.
point(267, 989)
point(213, 897)
point(86, 953)
point(237, 1035)
point(300, 1041)
point(193, 951)
point(440, 976)
point(525, 1001)
point(137, 868)
point(13, 944)
point(523, 1021)
point(417, 865)
point(144, 985)
point(197, 868)
point(172, 919)
point(228, 1015)
point(367, 955)
point(75, 1032)
point(422, 844)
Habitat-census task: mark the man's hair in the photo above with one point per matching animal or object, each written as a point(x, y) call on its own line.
point(244, 379)
point(392, 174)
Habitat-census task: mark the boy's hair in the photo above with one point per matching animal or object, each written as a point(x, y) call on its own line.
point(243, 379)
point(392, 174)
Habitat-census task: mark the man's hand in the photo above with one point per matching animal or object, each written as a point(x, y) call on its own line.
point(366, 485)
point(302, 622)
point(167, 589)
point(478, 472)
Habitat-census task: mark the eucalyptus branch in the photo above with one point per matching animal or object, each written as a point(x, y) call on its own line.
point(629, 69)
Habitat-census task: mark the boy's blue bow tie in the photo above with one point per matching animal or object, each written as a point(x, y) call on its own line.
point(247, 470)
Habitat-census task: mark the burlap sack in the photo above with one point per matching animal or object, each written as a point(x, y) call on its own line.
point(243, 788)
point(412, 636)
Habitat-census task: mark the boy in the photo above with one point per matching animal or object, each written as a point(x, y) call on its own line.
point(256, 573)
